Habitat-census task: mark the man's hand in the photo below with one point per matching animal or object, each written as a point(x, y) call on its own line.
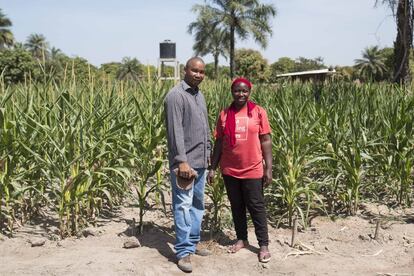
point(267, 177)
point(184, 170)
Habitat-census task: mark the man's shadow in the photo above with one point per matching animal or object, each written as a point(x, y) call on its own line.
point(154, 236)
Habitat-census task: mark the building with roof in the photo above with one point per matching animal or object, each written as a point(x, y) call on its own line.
point(314, 75)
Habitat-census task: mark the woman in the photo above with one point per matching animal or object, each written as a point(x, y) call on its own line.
point(243, 142)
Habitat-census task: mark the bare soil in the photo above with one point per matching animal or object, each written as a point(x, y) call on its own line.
point(341, 247)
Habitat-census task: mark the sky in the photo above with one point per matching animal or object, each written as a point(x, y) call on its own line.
point(108, 30)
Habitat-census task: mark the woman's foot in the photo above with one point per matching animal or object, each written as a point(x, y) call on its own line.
point(237, 246)
point(264, 254)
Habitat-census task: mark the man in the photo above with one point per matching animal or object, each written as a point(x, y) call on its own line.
point(188, 136)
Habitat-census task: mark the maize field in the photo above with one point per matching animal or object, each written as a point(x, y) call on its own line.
point(78, 148)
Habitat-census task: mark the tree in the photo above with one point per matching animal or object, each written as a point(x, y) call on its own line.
point(281, 66)
point(17, 64)
point(110, 69)
point(75, 68)
point(388, 54)
point(55, 53)
point(209, 40)
point(211, 71)
point(252, 65)
point(372, 64)
point(38, 46)
point(345, 73)
point(239, 17)
point(56, 63)
point(403, 12)
point(306, 64)
point(6, 36)
point(130, 69)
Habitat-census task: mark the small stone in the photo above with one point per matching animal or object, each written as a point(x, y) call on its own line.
point(37, 242)
point(326, 248)
point(313, 229)
point(364, 238)
point(131, 243)
point(89, 232)
point(390, 237)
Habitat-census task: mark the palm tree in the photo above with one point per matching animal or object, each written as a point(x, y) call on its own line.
point(403, 12)
point(239, 17)
point(209, 40)
point(130, 69)
point(38, 46)
point(6, 36)
point(372, 65)
point(55, 53)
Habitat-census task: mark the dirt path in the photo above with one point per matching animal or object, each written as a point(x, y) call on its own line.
point(343, 247)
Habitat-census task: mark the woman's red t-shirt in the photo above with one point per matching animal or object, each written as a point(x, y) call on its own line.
point(244, 159)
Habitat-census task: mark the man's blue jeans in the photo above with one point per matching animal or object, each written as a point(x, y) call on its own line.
point(188, 208)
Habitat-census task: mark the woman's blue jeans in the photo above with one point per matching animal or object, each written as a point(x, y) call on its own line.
point(188, 208)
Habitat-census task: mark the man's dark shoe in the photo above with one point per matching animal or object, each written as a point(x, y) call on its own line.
point(203, 252)
point(185, 264)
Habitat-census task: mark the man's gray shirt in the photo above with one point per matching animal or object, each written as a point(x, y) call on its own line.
point(188, 132)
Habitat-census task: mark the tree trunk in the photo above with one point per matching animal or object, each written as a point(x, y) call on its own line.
point(404, 41)
point(216, 56)
point(231, 52)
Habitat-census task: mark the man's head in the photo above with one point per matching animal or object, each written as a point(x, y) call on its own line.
point(194, 71)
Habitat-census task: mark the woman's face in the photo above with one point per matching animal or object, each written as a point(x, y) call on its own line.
point(240, 93)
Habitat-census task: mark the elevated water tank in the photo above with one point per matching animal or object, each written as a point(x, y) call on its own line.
point(167, 49)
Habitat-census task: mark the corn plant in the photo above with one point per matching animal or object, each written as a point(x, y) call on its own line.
point(148, 139)
point(216, 191)
point(294, 147)
point(398, 152)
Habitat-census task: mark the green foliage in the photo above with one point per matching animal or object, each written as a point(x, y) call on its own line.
point(223, 71)
point(209, 39)
point(16, 65)
point(372, 65)
point(38, 46)
point(110, 69)
point(130, 69)
point(239, 18)
point(77, 152)
point(6, 36)
point(346, 73)
point(283, 65)
point(77, 68)
point(78, 145)
point(251, 64)
point(306, 64)
point(389, 60)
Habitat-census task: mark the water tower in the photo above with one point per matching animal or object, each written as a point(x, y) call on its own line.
point(167, 55)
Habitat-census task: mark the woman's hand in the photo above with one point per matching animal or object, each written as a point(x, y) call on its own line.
point(267, 177)
point(210, 176)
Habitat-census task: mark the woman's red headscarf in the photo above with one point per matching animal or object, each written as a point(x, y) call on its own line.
point(230, 128)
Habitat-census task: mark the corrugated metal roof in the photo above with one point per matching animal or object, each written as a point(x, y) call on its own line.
point(311, 72)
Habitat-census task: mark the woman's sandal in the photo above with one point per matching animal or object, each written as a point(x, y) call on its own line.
point(264, 256)
point(237, 246)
